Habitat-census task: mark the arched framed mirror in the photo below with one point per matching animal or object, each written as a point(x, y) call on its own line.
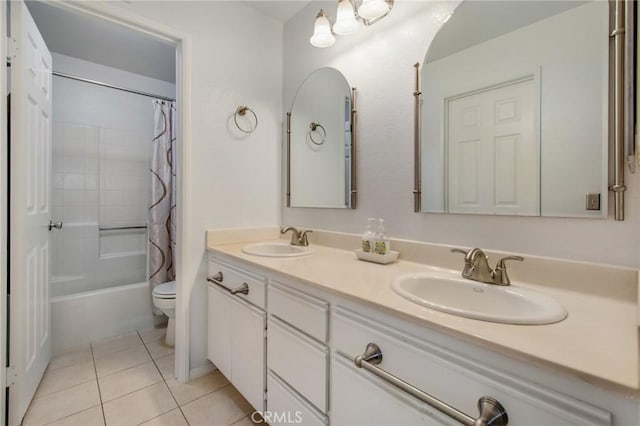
point(321, 142)
point(518, 105)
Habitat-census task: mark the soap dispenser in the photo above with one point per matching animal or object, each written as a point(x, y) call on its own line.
point(382, 244)
point(369, 236)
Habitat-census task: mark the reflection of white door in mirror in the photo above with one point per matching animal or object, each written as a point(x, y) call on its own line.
point(564, 45)
point(493, 150)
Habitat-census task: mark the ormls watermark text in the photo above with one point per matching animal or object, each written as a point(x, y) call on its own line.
point(277, 417)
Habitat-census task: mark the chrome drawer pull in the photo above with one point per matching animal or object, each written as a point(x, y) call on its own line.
point(243, 289)
point(491, 412)
point(217, 278)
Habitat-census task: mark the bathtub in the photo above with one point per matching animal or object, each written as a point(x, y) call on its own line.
point(87, 316)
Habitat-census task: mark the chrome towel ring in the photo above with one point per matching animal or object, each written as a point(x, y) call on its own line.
point(313, 128)
point(242, 111)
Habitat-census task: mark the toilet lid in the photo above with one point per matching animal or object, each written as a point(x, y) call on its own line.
point(166, 290)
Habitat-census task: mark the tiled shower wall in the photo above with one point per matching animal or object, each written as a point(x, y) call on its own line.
point(100, 180)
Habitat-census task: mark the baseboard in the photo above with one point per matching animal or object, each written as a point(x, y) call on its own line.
point(194, 373)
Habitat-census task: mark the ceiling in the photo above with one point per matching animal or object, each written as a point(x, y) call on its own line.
point(279, 10)
point(103, 42)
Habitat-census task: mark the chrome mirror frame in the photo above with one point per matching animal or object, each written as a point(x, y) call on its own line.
point(622, 98)
point(352, 154)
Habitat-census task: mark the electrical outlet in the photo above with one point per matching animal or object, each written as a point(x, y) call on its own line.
point(593, 201)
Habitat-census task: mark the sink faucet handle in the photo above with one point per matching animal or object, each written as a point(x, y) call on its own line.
point(303, 240)
point(501, 261)
point(500, 276)
point(459, 251)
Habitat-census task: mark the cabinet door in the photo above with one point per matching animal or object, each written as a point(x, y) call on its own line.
point(248, 360)
point(358, 398)
point(219, 331)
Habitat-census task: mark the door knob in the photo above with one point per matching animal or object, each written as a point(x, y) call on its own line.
point(57, 225)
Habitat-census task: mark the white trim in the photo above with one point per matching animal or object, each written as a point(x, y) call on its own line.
point(182, 42)
point(201, 371)
point(4, 170)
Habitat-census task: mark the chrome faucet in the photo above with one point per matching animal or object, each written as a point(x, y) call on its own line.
point(298, 238)
point(476, 267)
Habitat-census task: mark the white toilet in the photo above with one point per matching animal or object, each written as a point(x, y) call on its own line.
point(164, 298)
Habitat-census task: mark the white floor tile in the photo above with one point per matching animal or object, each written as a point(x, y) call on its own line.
point(122, 360)
point(62, 404)
point(115, 344)
point(91, 417)
point(172, 418)
point(129, 380)
point(167, 366)
point(186, 392)
point(158, 348)
point(139, 406)
point(223, 407)
point(63, 378)
point(77, 355)
point(152, 334)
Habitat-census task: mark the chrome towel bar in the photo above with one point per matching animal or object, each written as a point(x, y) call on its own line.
point(491, 412)
point(217, 280)
point(118, 228)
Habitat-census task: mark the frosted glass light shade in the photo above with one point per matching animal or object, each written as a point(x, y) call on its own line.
point(322, 36)
point(372, 9)
point(346, 22)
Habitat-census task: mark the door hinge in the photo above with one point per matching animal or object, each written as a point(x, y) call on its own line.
point(12, 49)
point(11, 376)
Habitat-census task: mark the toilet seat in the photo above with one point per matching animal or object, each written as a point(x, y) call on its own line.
point(165, 291)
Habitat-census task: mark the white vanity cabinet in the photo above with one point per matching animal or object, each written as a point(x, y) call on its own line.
point(297, 352)
point(452, 378)
point(236, 331)
point(312, 338)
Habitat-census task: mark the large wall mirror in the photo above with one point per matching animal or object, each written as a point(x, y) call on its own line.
point(321, 143)
point(515, 110)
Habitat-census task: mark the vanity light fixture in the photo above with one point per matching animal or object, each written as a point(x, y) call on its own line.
point(349, 16)
point(322, 36)
point(346, 22)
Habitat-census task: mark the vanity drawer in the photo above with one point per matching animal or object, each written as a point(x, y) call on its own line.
point(233, 279)
point(307, 313)
point(299, 361)
point(455, 379)
point(285, 406)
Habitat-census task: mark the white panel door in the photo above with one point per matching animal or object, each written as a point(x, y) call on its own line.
point(493, 151)
point(30, 210)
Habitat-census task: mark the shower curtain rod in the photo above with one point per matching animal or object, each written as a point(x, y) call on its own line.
point(111, 86)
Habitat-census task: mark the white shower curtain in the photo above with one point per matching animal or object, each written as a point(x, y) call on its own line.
point(161, 220)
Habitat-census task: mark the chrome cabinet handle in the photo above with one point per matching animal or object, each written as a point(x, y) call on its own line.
point(491, 412)
point(243, 289)
point(52, 224)
point(217, 278)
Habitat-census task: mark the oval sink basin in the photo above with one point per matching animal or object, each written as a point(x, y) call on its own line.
point(273, 249)
point(472, 299)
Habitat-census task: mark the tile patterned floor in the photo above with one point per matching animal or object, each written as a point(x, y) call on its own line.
point(128, 380)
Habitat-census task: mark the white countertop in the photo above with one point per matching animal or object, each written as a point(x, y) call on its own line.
point(597, 342)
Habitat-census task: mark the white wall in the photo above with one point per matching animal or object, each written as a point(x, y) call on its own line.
point(573, 93)
point(236, 59)
point(101, 155)
point(379, 62)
